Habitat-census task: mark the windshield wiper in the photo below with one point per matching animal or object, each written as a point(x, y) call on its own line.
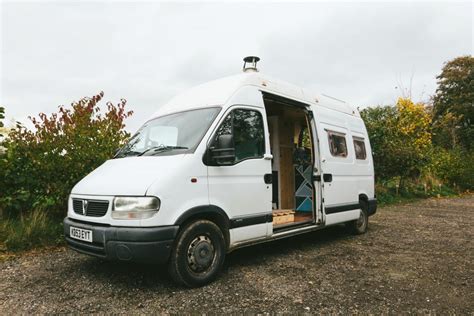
point(161, 148)
point(126, 154)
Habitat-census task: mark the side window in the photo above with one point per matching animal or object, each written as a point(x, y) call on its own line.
point(246, 128)
point(359, 147)
point(337, 144)
point(226, 126)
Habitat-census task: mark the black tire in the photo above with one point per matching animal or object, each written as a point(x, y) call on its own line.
point(359, 226)
point(198, 254)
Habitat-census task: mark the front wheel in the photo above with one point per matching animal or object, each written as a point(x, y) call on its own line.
point(198, 254)
point(359, 226)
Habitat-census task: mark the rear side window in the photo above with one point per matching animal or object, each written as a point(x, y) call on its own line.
point(337, 144)
point(359, 147)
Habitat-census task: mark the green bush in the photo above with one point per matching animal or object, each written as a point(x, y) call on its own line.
point(454, 167)
point(400, 138)
point(388, 193)
point(41, 166)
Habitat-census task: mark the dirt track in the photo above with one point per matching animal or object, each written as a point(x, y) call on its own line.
point(415, 258)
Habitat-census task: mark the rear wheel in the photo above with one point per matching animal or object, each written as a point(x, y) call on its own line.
point(198, 254)
point(359, 226)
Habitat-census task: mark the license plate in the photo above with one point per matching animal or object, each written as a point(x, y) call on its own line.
point(80, 234)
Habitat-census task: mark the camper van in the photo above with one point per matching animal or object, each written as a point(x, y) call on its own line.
point(230, 163)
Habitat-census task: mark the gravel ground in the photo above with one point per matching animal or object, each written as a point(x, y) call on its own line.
point(416, 257)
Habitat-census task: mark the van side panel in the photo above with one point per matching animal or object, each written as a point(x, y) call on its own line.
point(350, 176)
point(177, 192)
point(343, 187)
point(247, 233)
point(363, 168)
point(342, 217)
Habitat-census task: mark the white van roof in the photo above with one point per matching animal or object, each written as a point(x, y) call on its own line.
point(218, 92)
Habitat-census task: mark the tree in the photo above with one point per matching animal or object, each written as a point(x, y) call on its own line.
point(380, 122)
point(400, 137)
point(41, 166)
point(453, 104)
point(2, 116)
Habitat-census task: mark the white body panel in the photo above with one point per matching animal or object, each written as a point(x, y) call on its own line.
point(246, 178)
point(254, 232)
point(341, 217)
point(238, 190)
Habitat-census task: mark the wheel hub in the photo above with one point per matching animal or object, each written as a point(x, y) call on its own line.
point(200, 253)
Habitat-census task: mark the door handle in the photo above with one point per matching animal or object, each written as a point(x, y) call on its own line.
point(316, 177)
point(327, 177)
point(268, 177)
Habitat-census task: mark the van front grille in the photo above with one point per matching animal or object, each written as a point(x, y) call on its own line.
point(94, 208)
point(77, 206)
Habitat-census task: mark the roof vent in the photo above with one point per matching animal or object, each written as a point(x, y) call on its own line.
point(250, 63)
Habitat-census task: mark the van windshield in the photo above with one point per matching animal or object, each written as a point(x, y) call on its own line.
point(170, 134)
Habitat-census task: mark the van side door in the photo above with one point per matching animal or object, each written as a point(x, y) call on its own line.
point(338, 177)
point(242, 187)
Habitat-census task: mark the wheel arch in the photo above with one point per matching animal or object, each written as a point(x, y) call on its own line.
point(212, 213)
point(371, 204)
point(363, 197)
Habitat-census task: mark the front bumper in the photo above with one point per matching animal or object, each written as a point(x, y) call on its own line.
point(138, 244)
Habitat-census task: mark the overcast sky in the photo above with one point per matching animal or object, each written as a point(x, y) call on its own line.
point(53, 53)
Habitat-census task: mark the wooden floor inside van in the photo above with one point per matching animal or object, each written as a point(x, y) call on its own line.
point(286, 217)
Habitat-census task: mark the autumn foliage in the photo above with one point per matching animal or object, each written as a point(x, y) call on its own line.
point(42, 165)
point(428, 144)
point(400, 137)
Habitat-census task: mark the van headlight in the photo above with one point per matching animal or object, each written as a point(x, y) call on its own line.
point(136, 207)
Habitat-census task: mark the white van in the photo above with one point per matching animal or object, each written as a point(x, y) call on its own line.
point(233, 162)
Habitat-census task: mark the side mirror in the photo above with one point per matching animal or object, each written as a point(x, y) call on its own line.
point(223, 153)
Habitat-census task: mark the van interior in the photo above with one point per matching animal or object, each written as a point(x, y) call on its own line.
point(292, 164)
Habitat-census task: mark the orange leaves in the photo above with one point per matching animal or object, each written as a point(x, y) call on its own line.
point(63, 148)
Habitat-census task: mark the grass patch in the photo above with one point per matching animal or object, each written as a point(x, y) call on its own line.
point(36, 229)
point(387, 193)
